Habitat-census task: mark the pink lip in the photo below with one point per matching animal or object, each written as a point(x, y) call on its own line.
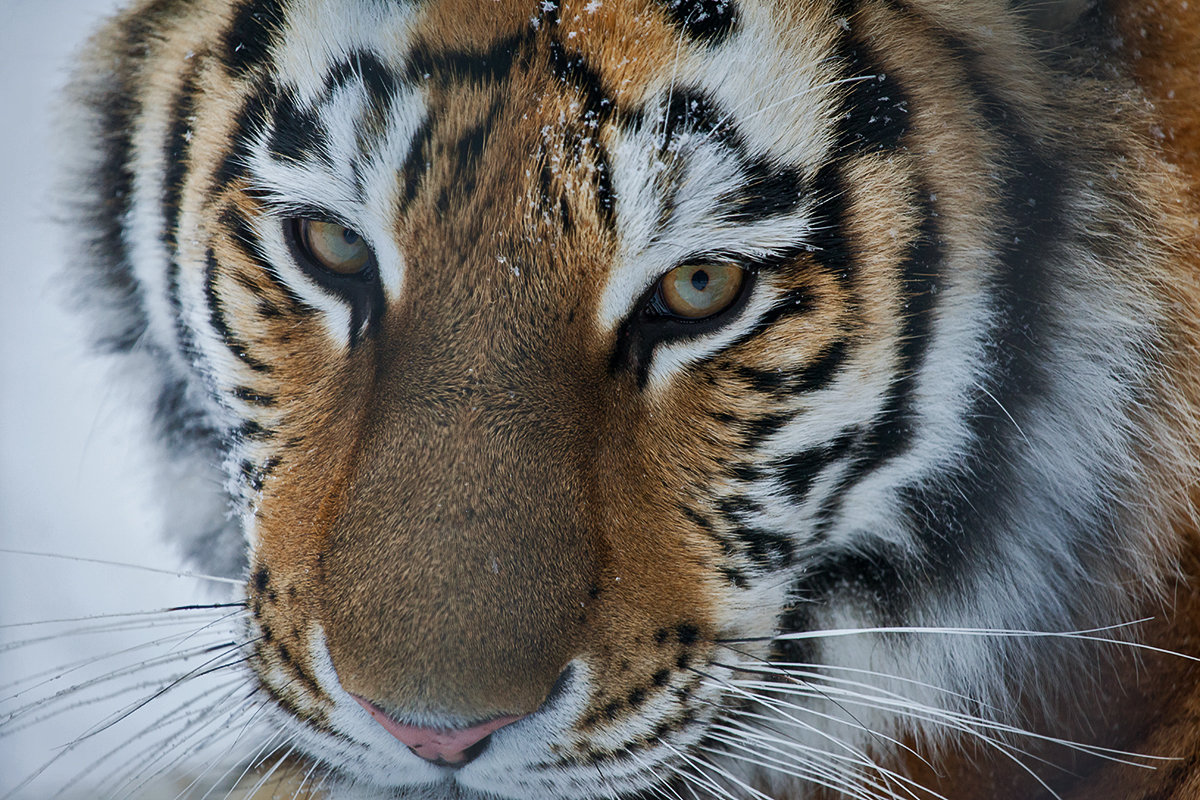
point(448, 746)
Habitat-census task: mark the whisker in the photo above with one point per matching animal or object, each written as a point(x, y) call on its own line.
point(661, 787)
point(265, 703)
point(1087, 635)
point(929, 713)
point(856, 755)
point(783, 667)
point(778, 744)
point(300, 790)
point(721, 772)
point(115, 718)
point(778, 707)
point(226, 752)
point(141, 759)
point(691, 780)
point(80, 704)
point(108, 629)
point(62, 670)
point(89, 618)
point(143, 568)
point(71, 691)
point(1006, 749)
point(808, 772)
point(200, 670)
point(268, 747)
point(263, 780)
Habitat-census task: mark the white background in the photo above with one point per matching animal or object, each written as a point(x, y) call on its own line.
point(72, 479)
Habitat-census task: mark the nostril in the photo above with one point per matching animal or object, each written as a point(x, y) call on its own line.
point(453, 747)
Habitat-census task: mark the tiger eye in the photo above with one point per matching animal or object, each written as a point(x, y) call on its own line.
point(696, 291)
point(334, 247)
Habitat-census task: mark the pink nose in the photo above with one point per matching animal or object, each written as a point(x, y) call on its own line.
point(445, 746)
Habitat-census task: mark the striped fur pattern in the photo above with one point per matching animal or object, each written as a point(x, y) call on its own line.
point(485, 477)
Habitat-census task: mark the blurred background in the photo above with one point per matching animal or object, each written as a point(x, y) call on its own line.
point(73, 480)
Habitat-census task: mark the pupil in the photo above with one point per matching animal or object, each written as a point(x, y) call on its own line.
point(699, 280)
point(349, 236)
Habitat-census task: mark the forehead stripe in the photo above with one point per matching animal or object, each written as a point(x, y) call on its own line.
point(711, 22)
point(428, 63)
point(251, 35)
point(297, 134)
point(381, 82)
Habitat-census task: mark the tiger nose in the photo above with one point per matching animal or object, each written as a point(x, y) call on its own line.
point(453, 747)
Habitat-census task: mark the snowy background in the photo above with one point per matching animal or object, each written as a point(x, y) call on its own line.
point(72, 476)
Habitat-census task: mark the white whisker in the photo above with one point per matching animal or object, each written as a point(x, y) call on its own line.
point(71, 691)
point(143, 568)
point(823, 777)
point(123, 614)
point(139, 761)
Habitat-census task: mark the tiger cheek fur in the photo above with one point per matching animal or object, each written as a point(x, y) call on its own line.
point(409, 282)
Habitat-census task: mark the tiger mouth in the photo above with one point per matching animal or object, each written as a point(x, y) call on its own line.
point(443, 747)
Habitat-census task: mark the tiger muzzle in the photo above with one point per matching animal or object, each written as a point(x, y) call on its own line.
point(456, 581)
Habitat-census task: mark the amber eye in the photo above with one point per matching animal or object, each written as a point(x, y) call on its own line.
point(333, 247)
point(696, 291)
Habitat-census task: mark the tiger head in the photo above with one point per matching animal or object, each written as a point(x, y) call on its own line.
point(579, 370)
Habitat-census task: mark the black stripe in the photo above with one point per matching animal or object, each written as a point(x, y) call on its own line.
point(891, 432)
point(255, 476)
point(605, 197)
point(254, 397)
point(758, 429)
point(255, 28)
point(874, 112)
point(737, 505)
point(958, 515)
point(821, 372)
point(701, 522)
point(250, 430)
point(571, 68)
point(598, 107)
point(112, 96)
point(176, 154)
point(430, 63)
point(798, 471)
point(297, 133)
point(468, 151)
point(828, 241)
point(216, 315)
point(766, 550)
point(176, 151)
point(416, 164)
point(692, 110)
point(763, 381)
point(709, 21)
point(252, 118)
point(767, 190)
point(380, 81)
point(794, 302)
point(243, 237)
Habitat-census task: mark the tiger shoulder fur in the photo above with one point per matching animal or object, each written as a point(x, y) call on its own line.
point(675, 398)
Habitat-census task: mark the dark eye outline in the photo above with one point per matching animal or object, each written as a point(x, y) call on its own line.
point(652, 323)
point(360, 290)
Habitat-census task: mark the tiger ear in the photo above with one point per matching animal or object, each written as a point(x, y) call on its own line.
point(1052, 16)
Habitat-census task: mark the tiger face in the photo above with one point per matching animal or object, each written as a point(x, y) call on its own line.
point(603, 388)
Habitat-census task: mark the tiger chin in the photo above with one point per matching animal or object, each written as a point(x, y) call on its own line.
point(676, 398)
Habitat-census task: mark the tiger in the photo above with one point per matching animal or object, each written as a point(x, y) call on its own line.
point(671, 398)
